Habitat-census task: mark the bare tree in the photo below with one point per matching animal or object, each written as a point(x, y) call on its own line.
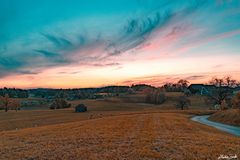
point(180, 86)
point(230, 82)
point(237, 84)
point(224, 82)
point(218, 82)
point(183, 83)
point(183, 102)
point(5, 101)
point(16, 104)
point(223, 90)
point(59, 103)
point(155, 96)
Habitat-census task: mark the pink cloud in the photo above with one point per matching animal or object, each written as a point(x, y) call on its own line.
point(199, 42)
point(159, 80)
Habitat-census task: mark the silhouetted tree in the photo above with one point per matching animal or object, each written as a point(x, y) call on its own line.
point(155, 96)
point(230, 82)
point(59, 103)
point(180, 86)
point(15, 104)
point(183, 102)
point(182, 83)
point(167, 86)
point(5, 100)
point(223, 89)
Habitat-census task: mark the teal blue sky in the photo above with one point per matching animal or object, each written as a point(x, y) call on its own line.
point(39, 35)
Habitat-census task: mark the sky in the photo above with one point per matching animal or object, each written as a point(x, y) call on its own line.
point(92, 43)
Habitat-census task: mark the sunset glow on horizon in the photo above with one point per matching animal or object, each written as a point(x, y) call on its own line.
point(73, 44)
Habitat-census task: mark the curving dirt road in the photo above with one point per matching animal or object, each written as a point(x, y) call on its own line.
point(223, 127)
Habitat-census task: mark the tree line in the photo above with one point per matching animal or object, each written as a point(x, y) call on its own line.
point(221, 95)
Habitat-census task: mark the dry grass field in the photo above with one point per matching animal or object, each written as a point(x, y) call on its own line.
point(135, 136)
point(112, 129)
point(13, 120)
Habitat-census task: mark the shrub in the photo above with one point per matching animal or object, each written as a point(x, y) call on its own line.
point(5, 101)
point(224, 105)
point(155, 97)
point(59, 103)
point(209, 101)
point(183, 102)
point(80, 108)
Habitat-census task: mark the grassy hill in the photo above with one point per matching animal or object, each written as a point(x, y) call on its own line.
point(230, 116)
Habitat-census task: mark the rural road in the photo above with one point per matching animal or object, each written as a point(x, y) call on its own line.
point(223, 127)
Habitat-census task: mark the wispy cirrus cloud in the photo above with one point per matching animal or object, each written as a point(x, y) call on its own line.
point(136, 31)
point(45, 37)
point(59, 42)
point(46, 53)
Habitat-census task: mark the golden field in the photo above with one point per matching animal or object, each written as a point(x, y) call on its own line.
point(136, 136)
point(13, 120)
point(112, 129)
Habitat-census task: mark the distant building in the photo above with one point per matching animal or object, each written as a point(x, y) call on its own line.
point(101, 95)
point(201, 89)
point(236, 90)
